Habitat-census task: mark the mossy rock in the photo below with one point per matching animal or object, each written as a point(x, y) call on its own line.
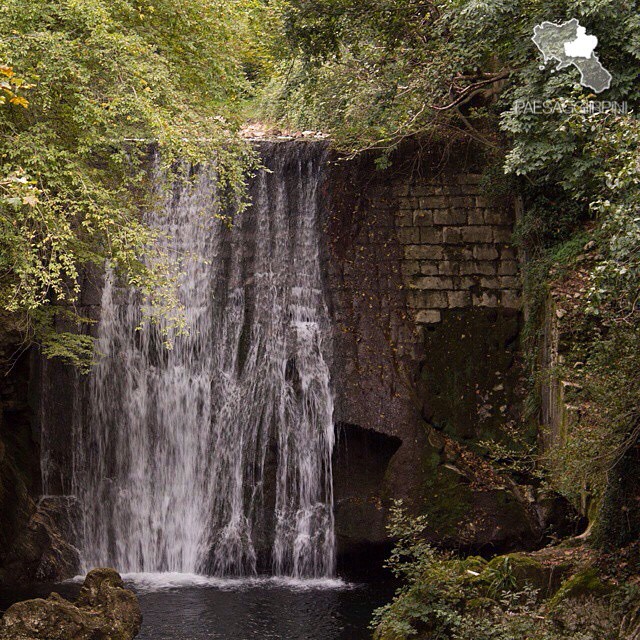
point(461, 517)
point(473, 568)
point(581, 585)
point(517, 571)
point(104, 609)
point(475, 563)
point(479, 604)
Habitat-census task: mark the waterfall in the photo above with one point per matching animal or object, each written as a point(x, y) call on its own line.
point(214, 456)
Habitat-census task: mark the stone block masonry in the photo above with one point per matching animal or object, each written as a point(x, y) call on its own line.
point(456, 243)
point(424, 291)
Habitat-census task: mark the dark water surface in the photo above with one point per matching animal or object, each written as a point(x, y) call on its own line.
point(181, 607)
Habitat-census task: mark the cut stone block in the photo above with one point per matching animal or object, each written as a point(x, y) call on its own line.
point(478, 234)
point(428, 316)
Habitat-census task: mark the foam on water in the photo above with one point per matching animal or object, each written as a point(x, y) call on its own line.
point(169, 581)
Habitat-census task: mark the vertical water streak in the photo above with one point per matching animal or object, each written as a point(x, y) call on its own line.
point(215, 456)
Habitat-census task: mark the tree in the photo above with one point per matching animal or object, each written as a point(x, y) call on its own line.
point(105, 80)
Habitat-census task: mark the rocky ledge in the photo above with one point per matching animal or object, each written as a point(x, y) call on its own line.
point(104, 610)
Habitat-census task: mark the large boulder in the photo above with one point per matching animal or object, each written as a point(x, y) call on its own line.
point(104, 610)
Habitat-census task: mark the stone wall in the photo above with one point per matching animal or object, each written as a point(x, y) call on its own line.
point(425, 293)
point(457, 246)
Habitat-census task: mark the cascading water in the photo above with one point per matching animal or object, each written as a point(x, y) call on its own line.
point(214, 456)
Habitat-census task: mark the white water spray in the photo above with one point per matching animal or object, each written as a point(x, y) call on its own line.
point(215, 457)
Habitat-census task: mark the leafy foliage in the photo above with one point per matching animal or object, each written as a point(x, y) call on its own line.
point(87, 88)
point(430, 597)
point(10, 87)
point(449, 68)
point(615, 142)
point(429, 67)
point(445, 597)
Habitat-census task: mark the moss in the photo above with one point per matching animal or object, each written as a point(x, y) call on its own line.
point(582, 584)
point(447, 500)
point(475, 563)
point(517, 571)
point(477, 604)
point(470, 372)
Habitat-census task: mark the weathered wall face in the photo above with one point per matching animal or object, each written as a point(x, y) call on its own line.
point(426, 296)
point(33, 532)
point(18, 451)
point(457, 250)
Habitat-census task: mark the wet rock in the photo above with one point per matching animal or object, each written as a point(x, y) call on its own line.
point(18, 449)
point(43, 550)
point(104, 610)
point(15, 510)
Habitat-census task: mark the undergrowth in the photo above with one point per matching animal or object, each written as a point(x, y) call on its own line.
point(443, 596)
